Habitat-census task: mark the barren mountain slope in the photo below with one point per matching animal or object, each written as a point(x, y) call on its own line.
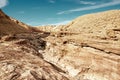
point(27, 27)
point(98, 24)
point(8, 26)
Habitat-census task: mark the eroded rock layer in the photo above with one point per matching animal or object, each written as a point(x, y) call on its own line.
point(20, 59)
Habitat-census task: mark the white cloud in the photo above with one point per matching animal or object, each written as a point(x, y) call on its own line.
point(3, 3)
point(113, 2)
point(52, 1)
point(87, 3)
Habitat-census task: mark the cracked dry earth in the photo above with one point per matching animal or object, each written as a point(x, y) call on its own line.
point(43, 56)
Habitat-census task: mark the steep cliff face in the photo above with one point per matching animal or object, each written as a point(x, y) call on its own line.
point(8, 26)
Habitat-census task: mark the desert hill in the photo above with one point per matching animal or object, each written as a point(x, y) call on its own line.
point(27, 27)
point(98, 24)
point(8, 26)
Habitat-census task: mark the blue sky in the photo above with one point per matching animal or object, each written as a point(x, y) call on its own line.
point(44, 12)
